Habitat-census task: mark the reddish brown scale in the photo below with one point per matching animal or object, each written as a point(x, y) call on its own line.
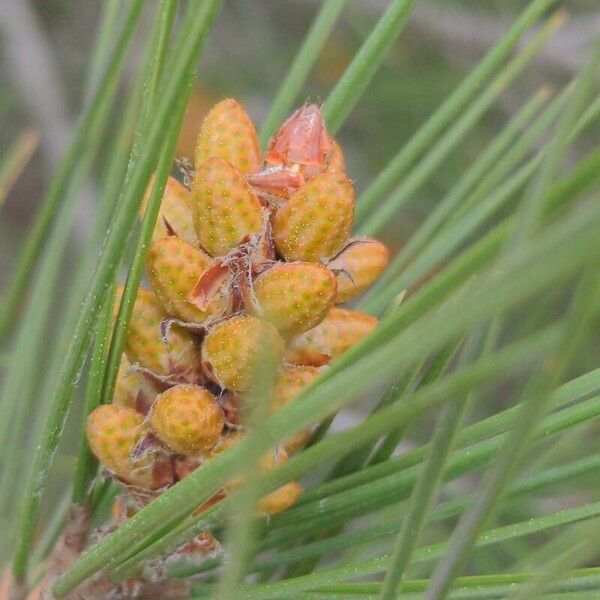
point(301, 140)
point(233, 408)
point(214, 282)
point(183, 466)
point(234, 271)
point(162, 473)
point(276, 182)
point(210, 502)
point(174, 267)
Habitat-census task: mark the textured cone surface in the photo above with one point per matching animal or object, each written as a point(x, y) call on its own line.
point(145, 346)
point(227, 132)
point(133, 389)
point(290, 382)
point(316, 221)
point(340, 330)
point(294, 297)
point(224, 207)
point(112, 432)
point(187, 418)
point(358, 266)
point(281, 498)
point(174, 268)
point(175, 209)
point(232, 349)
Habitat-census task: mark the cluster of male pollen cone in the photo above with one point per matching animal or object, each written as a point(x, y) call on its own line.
point(250, 260)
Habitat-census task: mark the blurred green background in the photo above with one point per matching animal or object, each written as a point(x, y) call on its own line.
point(46, 45)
